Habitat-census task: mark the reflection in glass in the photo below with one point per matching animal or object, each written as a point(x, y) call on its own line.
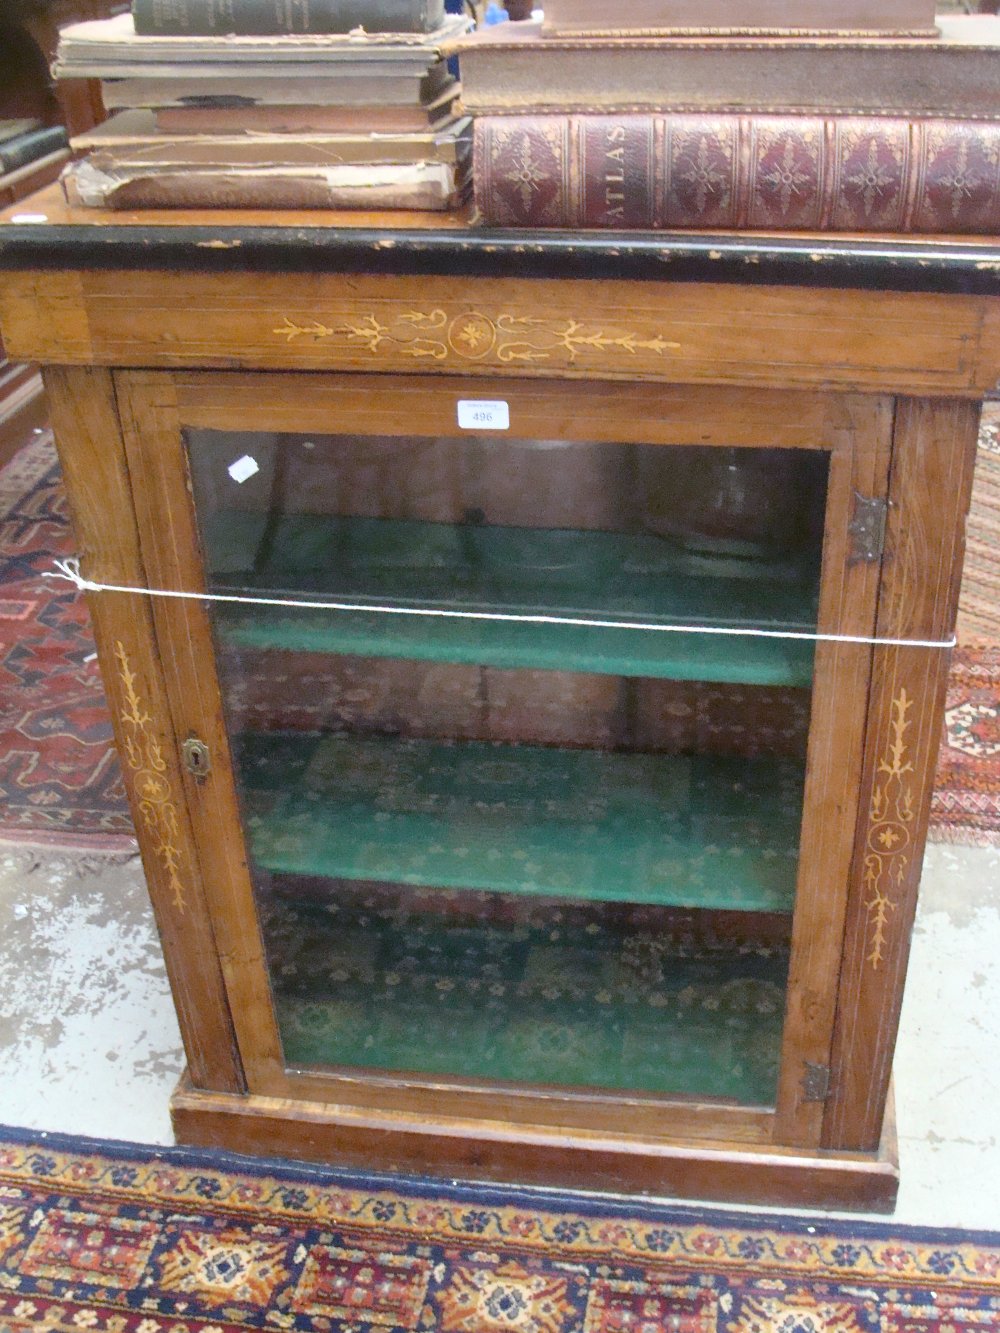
point(520, 847)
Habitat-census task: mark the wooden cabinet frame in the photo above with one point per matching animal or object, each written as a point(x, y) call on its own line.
point(856, 430)
point(888, 383)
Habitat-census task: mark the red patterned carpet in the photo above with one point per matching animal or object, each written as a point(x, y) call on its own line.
point(59, 778)
point(967, 796)
point(966, 805)
point(116, 1239)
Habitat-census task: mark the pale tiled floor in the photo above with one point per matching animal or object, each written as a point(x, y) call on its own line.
point(89, 1043)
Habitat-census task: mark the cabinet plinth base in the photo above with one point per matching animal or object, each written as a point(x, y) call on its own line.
point(536, 1155)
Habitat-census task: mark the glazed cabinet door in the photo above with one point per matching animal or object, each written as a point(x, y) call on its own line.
point(521, 731)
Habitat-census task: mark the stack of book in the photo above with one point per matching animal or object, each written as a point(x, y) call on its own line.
point(708, 114)
point(27, 147)
point(221, 104)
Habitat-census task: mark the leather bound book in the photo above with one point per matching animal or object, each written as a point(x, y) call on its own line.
point(29, 147)
point(739, 16)
point(712, 172)
point(184, 18)
point(512, 69)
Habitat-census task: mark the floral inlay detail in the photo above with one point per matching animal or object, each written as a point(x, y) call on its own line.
point(892, 814)
point(472, 335)
point(529, 339)
point(406, 334)
point(144, 756)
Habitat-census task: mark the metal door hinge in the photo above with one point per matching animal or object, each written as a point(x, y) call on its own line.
point(867, 528)
point(815, 1082)
point(197, 759)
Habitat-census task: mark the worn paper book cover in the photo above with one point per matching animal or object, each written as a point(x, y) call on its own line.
point(94, 183)
point(108, 48)
point(520, 70)
point(716, 172)
point(130, 139)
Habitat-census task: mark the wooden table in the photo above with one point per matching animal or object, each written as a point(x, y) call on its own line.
point(290, 767)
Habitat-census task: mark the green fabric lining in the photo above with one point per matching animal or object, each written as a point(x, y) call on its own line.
point(469, 567)
point(535, 991)
point(699, 831)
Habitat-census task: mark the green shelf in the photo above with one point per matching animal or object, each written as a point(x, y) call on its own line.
point(699, 831)
point(534, 991)
point(467, 567)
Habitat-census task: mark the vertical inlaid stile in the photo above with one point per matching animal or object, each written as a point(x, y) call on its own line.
point(931, 478)
point(91, 449)
point(171, 553)
point(861, 439)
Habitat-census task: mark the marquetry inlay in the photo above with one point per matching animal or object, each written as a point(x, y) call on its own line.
point(889, 840)
point(144, 756)
point(472, 335)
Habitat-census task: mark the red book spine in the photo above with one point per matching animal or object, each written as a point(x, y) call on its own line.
point(785, 173)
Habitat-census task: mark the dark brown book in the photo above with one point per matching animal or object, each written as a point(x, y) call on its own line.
point(16, 185)
point(512, 68)
point(887, 17)
point(307, 119)
point(26, 148)
point(250, 17)
point(341, 89)
point(784, 173)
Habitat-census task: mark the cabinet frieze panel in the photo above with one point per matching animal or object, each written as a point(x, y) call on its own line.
point(659, 331)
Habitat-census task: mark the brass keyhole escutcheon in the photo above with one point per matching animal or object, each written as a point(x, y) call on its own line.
point(197, 760)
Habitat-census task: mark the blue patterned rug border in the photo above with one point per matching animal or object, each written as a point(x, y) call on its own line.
point(523, 1215)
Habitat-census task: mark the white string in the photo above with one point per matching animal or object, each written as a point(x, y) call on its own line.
point(69, 570)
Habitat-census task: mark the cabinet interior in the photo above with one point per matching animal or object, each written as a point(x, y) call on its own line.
point(503, 824)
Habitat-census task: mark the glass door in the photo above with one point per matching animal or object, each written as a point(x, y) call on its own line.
point(519, 723)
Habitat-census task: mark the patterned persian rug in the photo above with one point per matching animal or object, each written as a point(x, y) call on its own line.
point(966, 802)
point(979, 607)
point(59, 778)
point(966, 805)
point(118, 1239)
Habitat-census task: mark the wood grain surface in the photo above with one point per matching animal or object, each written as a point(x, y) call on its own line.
point(469, 1149)
point(91, 449)
point(859, 465)
point(171, 557)
point(930, 487)
point(684, 333)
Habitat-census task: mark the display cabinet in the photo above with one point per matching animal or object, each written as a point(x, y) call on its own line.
point(527, 659)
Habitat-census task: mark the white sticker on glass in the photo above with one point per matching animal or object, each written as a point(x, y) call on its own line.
point(482, 414)
point(243, 469)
